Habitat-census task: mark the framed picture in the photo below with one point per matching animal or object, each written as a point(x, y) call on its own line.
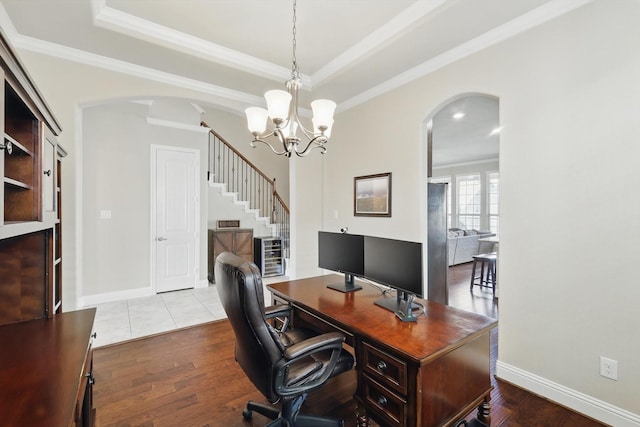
point(372, 195)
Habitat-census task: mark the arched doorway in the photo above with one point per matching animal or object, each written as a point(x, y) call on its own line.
point(463, 139)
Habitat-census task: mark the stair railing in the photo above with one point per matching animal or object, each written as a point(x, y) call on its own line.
point(228, 166)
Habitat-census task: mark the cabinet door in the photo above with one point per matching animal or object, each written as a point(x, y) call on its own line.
point(222, 242)
point(49, 201)
point(2, 153)
point(244, 244)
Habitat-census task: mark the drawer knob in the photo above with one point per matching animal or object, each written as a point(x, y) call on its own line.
point(381, 366)
point(382, 401)
point(8, 146)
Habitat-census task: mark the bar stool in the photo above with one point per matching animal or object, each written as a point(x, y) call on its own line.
point(487, 276)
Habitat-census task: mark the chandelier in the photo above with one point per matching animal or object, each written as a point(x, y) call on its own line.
point(282, 109)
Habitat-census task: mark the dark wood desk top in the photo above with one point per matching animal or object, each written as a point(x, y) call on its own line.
point(442, 329)
point(41, 364)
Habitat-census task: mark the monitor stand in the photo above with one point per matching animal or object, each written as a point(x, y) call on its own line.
point(349, 284)
point(402, 305)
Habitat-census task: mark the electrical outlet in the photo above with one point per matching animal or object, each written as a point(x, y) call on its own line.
point(609, 368)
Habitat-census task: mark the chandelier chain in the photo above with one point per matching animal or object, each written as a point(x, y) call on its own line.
point(282, 107)
point(294, 63)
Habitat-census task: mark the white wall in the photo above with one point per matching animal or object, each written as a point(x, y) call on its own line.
point(569, 106)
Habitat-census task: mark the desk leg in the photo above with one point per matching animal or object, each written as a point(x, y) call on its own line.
point(484, 410)
point(362, 419)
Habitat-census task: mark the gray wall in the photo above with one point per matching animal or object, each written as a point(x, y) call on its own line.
point(116, 176)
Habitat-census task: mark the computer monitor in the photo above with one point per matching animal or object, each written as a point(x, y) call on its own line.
point(397, 264)
point(343, 253)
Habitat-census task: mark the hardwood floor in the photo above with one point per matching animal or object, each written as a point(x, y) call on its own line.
point(189, 377)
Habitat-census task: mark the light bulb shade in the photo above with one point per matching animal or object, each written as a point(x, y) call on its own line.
point(256, 119)
point(323, 110)
point(278, 104)
point(327, 132)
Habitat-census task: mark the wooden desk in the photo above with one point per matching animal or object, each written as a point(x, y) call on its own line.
point(46, 371)
point(427, 373)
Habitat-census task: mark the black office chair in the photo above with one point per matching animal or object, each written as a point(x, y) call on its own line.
point(283, 363)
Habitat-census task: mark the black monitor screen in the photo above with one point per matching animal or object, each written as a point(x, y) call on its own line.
point(341, 252)
point(395, 263)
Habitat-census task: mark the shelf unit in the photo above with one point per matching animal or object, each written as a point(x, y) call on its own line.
point(268, 256)
point(21, 160)
point(29, 231)
point(55, 355)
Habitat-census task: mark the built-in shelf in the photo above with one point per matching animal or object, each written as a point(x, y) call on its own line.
point(18, 148)
point(17, 184)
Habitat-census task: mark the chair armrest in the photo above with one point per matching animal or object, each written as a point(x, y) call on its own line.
point(326, 342)
point(311, 345)
point(278, 310)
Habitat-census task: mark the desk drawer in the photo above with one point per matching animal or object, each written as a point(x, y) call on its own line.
point(384, 368)
point(384, 403)
point(305, 319)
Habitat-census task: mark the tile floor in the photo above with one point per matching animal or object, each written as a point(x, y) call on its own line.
point(124, 320)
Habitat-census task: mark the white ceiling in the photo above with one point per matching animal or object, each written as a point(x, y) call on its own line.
point(347, 50)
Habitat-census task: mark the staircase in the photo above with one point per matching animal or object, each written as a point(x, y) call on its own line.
point(223, 204)
point(234, 180)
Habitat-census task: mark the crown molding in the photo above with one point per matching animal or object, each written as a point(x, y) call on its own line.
point(86, 58)
point(544, 13)
point(177, 125)
point(121, 22)
point(469, 163)
point(400, 24)
point(516, 26)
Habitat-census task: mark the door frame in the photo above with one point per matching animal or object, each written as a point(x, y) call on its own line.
point(153, 211)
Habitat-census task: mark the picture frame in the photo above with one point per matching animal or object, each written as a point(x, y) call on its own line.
point(372, 195)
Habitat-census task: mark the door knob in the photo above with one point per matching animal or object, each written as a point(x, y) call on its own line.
point(160, 239)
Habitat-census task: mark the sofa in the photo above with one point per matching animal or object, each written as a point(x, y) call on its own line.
point(464, 244)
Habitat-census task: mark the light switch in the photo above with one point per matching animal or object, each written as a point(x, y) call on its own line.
point(105, 214)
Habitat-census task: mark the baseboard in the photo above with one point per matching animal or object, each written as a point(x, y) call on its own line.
point(202, 284)
point(91, 300)
point(572, 399)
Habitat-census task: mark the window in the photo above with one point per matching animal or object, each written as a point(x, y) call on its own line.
point(469, 201)
point(445, 180)
point(493, 192)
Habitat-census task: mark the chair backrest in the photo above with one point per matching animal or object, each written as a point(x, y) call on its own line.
point(239, 285)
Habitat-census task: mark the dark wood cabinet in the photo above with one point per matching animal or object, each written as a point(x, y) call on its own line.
point(29, 218)
point(46, 361)
point(24, 277)
point(238, 241)
point(46, 367)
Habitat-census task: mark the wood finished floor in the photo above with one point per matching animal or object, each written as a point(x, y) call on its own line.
point(189, 378)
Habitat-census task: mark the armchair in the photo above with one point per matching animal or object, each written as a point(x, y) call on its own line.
point(283, 363)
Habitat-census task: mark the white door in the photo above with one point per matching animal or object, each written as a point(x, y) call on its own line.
point(176, 239)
